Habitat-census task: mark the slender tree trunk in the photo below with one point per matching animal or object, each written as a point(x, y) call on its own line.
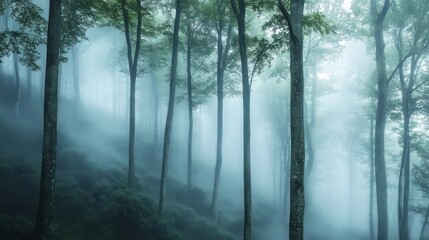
point(219, 78)
point(286, 170)
point(380, 121)
point(170, 111)
point(297, 195)
point(29, 85)
point(190, 101)
point(156, 115)
point(309, 125)
point(310, 148)
point(17, 83)
point(371, 179)
point(422, 231)
point(44, 219)
point(76, 76)
point(240, 14)
point(132, 64)
point(404, 175)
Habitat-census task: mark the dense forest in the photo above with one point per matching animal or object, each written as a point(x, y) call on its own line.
point(214, 119)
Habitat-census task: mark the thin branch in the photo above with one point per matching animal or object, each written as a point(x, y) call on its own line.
point(234, 8)
point(286, 14)
point(258, 59)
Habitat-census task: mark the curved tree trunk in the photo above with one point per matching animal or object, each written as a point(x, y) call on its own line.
point(132, 65)
point(44, 219)
point(380, 120)
point(170, 111)
point(219, 76)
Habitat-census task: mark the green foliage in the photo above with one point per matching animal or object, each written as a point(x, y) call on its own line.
point(317, 22)
point(29, 35)
point(103, 211)
point(77, 17)
point(15, 227)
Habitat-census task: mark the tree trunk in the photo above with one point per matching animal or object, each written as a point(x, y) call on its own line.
point(76, 76)
point(310, 148)
point(171, 100)
point(240, 14)
point(17, 83)
point(219, 78)
point(29, 86)
point(297, 194)
point(132, 64)
point(190, 103)
point(380, 121)
point(43, 226)
point(156, 115)
point(309, 126)
point(422, 232)
point(371, 179)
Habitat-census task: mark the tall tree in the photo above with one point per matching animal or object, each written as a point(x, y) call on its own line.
point(132, 66)
point(240, 14)
point(221, 64)
point(170, 111)
point(76, 75)
point(294, 20)
point(189, 88)
point(411, 42)
point(43, 226)
point(378, 18)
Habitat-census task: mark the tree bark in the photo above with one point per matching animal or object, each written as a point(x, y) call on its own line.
point(297, 194)
point(132, 65)
point(190, 101)
point(380, 121)
point(240, 14)
point(44, 219)
point(170, 111)
point(222, 53)
point(371, 179)
point(404, 172)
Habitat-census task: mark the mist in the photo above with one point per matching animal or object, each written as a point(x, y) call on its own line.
point(92, 195)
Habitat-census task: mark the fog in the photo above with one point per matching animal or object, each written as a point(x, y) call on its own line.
point(96, 128)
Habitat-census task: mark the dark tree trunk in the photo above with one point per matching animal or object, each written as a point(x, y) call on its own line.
point(76, 76)
point(43, 226)
point(190, 103)
point(170, 111)
point(17, 83)
point(380, 120)
point(132, 65)
point(222, 54)
point(422, 231)
point(240, 14)
point(404, 172)
point(297, 196)
point(29, 86)
point(371, 179)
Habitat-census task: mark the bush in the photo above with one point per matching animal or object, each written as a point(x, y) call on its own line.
point(15, 228)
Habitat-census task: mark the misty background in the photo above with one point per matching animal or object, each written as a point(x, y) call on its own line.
point(95, 128)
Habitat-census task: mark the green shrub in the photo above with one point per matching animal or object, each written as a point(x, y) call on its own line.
point(15, 228)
